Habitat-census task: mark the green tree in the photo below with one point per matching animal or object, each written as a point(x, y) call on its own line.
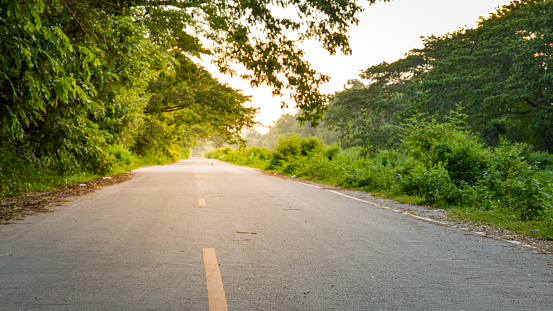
point(83, 82)
point(498, 71)
point(369, 116)
point(186, 103)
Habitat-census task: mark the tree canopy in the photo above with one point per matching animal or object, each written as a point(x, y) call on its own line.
point(78, 76)
point(499, 72)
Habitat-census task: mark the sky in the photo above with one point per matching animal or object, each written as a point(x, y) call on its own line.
point(386, 32)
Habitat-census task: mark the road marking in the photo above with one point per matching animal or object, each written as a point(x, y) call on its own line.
point(424, 218)
point(389, 208)
point(353, 198)
point(201, 202)
point(214, 282)
point(251, 169)
point(306, 184)
point(427, 219)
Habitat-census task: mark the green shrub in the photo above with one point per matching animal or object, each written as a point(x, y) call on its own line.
point(311, 145)
point(433, 183)
point(542, 160)
point(460, 152)
point(120, 155)
point(332, 151)
point(287, 147)
point(368, 174)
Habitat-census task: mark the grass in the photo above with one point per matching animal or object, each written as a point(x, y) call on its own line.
point(369, 175)
point(542, 228)
point(19, 178)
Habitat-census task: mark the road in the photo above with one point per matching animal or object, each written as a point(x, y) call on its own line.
point(279, 244)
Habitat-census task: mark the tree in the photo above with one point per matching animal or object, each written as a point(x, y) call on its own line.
point(77, 75)
point(369, 116)
point(186, 103)
point(250, 33)
point(499, 72)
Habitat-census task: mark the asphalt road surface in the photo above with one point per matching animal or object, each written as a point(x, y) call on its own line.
point(257, 242)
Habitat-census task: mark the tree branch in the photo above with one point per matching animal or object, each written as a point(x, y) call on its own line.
point(530, 102)
point(165, 109)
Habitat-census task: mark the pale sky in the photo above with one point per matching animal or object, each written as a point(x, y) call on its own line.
point(386, 32)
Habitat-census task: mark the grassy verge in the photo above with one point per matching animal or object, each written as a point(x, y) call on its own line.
point(18, 176)
point(507, 187)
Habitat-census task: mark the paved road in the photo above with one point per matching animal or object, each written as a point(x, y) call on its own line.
point(280, 245)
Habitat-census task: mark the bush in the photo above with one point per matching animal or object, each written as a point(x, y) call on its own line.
point(366, 173)
point(120, 155)
point(287, 147)
point(433, 183)
point(291, 149)
point(460, 152)
point(441, 163)
point(452, 168)
point(542, 160)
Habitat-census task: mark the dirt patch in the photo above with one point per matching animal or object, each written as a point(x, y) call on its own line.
point(17, 208)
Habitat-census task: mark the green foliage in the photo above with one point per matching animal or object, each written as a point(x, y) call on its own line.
point(121, 155)
point(542, 160)
point(446, 144)
point(440, 164)
point(367, 174)
point(499, 71)
point(369, 116)
point(451, 167)
point(23, 172)
point(83, 83)
point(34, 70)
point(291, 149)
point(218, 153)
point(366, 116)
point(250, 156)
point(433, 183)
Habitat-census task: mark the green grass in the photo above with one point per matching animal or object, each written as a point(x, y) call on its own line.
point(541, 228)
point(382, 177)
point(18, 178)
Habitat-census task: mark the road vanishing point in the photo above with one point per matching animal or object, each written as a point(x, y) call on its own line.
point(205, 235)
